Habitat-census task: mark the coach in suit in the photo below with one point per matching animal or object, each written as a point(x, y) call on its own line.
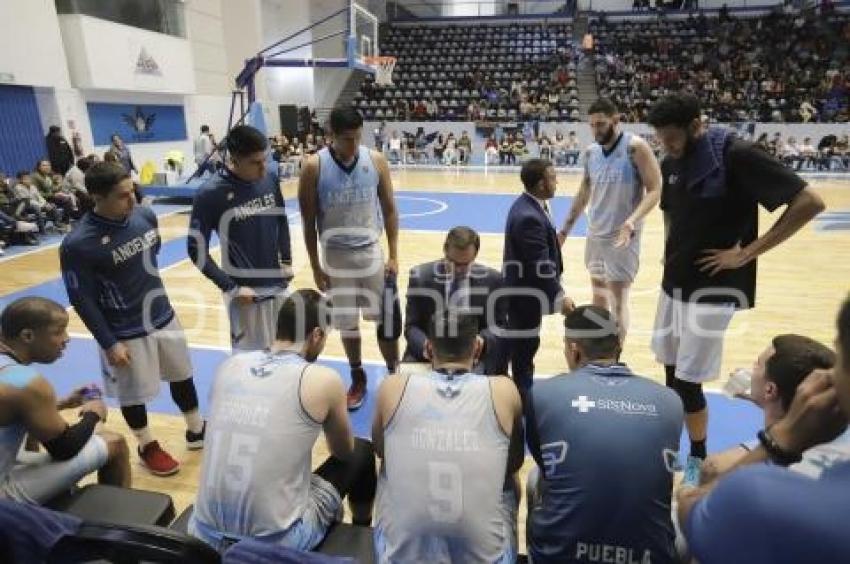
point(532, 268)
point(457, 281)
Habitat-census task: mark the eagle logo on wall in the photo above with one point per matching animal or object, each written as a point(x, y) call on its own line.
point(139, 122)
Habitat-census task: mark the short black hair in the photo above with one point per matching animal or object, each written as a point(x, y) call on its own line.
point(843, 323)
point(595, 330)
point(31, 312)
point(22, 173)
point(245, 140)
point(302, 312)
point(603, 106)
point(452, 335)
point(101, 178)
point(84, 163)
point(794, 358)
point(205, 129)
point(345, 118)
point(678, 110)
point(532, 172)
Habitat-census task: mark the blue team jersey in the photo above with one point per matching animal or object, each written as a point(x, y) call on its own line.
point(770, 515)
point(112, 277)
point(606, 443)
point(250, 219)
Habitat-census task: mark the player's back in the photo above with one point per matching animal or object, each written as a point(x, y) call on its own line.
point(257, 465)
point(441, 483)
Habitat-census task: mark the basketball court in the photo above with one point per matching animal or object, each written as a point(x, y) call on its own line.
point(800, 283)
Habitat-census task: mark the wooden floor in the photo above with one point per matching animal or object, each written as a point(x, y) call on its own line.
point(800, 286)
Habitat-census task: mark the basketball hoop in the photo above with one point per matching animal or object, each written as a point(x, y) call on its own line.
point(383, 69)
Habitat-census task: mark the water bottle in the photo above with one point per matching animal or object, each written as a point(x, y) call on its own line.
point(739, 383)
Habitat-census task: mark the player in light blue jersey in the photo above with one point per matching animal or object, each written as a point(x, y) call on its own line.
point(346, 199)
point(267, 411)
point(621, 185)
point(35, 331)
point(451, 443)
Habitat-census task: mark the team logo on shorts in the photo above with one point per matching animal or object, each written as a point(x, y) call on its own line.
point(229, 196)
point(105, 240)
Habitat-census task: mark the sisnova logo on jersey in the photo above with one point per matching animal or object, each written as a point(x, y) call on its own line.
point(585, 404)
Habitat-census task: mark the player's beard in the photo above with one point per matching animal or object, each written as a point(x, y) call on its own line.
point(606, 137)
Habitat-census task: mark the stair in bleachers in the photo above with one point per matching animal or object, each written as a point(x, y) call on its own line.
point(585, 77)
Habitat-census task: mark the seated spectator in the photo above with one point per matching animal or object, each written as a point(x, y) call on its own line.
point(439, 147)
point(506, 153)
point(450, 155)
point(450, 443)
point(586, 429)
point(807, 152)
point(265, 404)
point(14, 231)
point(544, 148)
point(34, 330)
point(35, 205)
point(457, 282)
point(464, 147)
point(519, 149)
point(777, 372)
point(42, 179)
point(758, 513)
point(789, 153)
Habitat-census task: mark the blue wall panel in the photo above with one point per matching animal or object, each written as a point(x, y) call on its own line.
point(21, 136)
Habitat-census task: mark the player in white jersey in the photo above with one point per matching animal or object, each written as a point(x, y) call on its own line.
point(621, 184)
point(344, 193)
point(267, 410)
point(451, 442)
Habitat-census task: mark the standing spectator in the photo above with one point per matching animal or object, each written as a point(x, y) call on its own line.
point(122, 154)
point(59, 152)
point(394, 153)
point(450, 154)
point(573, 149)
point(464, 147)
point(204, 147)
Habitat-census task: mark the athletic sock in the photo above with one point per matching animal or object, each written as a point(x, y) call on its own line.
point(194, 421)
point(698, 449)
point(144, 436)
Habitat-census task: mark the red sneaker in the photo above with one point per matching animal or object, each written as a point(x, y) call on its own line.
point(157, 461)
point(357, 391)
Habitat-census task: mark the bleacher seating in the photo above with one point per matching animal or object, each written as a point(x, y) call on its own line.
point(471, 71)
point(775, 68)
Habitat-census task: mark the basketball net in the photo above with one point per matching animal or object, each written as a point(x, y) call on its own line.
point(383, 69)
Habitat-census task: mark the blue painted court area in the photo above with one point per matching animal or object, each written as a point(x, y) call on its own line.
point(731, 421)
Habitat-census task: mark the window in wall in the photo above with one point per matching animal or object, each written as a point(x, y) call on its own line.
point(162, 16)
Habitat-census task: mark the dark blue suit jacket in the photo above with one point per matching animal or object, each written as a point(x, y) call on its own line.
point(421, 306)
point(532, 256)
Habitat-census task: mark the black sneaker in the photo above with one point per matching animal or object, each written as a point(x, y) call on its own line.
point(195, 441)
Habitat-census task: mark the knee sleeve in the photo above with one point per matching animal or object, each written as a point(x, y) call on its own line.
point(693, 398)
point(184, 395)
point(136, 416)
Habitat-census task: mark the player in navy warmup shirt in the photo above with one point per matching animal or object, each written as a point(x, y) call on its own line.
point(243, 204)
point(110, 271)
